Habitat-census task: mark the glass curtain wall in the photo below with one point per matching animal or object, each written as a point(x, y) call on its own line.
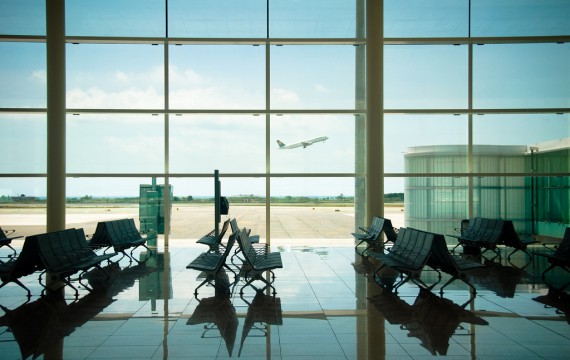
point(169, 91)
point(477, 121)
point(476, 111)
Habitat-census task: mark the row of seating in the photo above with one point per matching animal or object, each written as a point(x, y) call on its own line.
point(413, 249)
point(68, 252)
point(255, 261)
point(488, 234)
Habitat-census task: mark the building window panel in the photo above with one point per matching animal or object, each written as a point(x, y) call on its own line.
point(115, 143)
point(421, 18)
point(312, 144)
point(229, 143)
point(313, 77)
point(140, 18)
point(520, 18)
point(217, 77)
point(521, 76)
point(23, 78)
point(425, 77)
point(115, 76)
point(425, 143)
point(217, 18)
point(24, 143)
point(312, 18)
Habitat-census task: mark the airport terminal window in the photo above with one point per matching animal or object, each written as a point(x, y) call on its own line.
point(233, 143)
point(115, 18)
point(217, 18)
point(217, 77)
point(421, 18)
point(23, 17)
point(22, 75)
point(411, 145)
point(520, 18)
point(425, 77)
point(312, 143)
point(313, 77)
point(23, 139)
point(23, 204)
point(312, 18)
point(521, 76)
point(114, 76)
point(115, 143)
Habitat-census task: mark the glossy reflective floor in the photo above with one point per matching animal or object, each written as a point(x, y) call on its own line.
point(325, 307)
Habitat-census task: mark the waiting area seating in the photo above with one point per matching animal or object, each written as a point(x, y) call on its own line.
point(408, 256)
point(372, 235)
point(255, 264)
point(119, 234)
point(211, 264)
point(213, 240)
point(413, 250)
point(486, 234)
point(59, 253)
point(5, 240)
point(65, 253)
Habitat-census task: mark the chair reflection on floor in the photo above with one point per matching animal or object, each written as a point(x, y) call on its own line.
point(556, 299)
point(499, 278)
point(217, 312)
point(431, 319)
point(40, 324)
point(264, 310)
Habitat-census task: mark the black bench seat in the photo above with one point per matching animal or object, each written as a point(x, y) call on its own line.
point(65, 253)
point(408, 256)
point(372, 235)
point(119, 234)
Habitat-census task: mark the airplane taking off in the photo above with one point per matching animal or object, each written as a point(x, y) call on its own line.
point(304, 144)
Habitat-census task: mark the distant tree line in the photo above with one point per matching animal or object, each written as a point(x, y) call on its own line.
point(238, 199)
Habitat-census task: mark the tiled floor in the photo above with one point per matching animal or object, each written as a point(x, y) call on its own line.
point(325, 308)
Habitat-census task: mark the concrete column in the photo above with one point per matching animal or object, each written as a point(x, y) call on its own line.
point(374, 109)
point(55, 44)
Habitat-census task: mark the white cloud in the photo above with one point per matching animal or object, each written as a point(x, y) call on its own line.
point(283, 96)
point(40, 75)
point(121, 76)
point(322, 89)
point(130, 98)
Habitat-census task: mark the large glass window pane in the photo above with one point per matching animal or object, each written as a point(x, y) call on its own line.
point(217, 77)
point(425, 143)
point(229, 143)
point(193, 205)
point(312, 18)
point(114, 76)
point(313, 77)
point(90, 200)
point(23, 75)
point(312, 144)
point(217, 18)
point(23, 205)
point(143, 18)
point(24, 143)
point(115, 143)
point(312, 208)
point(543, 146)
point(425, 77)
point(520, 17)
point(421, 18)
point(521, 76)
point(436, 204)
point(503, 197)
point(22, 17)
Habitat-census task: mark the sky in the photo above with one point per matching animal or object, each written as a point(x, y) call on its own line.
point(302, 77)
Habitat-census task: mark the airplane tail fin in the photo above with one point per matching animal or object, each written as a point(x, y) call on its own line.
point(280, 143)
